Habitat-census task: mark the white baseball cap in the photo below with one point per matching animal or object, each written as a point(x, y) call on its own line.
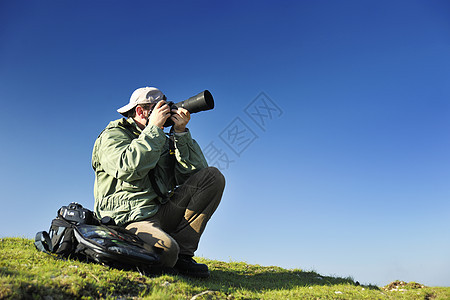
point(142, 95)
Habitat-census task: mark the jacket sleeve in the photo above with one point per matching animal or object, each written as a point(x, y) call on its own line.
point(189, 157)
point(130, 159)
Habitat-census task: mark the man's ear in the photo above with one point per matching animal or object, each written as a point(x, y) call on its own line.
point(139, 111)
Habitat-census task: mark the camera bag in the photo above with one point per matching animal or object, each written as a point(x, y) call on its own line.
point(77, 233)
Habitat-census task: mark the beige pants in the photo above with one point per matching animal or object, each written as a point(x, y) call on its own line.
point(179, 224)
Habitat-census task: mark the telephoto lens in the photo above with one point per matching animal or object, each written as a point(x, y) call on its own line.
point(200, 102)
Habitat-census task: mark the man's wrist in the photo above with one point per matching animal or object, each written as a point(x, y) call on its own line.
point(179, 130)
point(180, 134)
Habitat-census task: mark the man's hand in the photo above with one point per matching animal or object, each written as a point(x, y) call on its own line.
point(180, 118)
point(159, 115)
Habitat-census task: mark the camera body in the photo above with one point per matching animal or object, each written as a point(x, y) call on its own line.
point(169, 121)
point(76, 214)
point(200, 102)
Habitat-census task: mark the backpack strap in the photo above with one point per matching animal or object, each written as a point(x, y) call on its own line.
point(155, 186)
point(172, 160)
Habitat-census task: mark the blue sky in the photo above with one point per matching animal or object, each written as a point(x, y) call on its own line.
point(331, 122)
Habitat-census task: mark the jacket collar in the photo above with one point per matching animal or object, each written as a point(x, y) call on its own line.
point(130, 125)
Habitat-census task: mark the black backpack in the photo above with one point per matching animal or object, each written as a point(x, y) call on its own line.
point(77, 233)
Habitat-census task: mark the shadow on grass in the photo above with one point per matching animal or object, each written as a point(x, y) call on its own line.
point(223, 279)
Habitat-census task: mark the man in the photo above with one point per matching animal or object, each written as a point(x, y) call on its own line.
point(157, 186)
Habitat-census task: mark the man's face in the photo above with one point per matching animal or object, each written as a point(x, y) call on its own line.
point(144, 111)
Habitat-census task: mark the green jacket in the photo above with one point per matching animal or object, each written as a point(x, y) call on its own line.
point(122, 157)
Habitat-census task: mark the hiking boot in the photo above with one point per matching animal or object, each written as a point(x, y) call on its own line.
point(186, 265)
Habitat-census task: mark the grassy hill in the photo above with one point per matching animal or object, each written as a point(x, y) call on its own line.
point(26, 273)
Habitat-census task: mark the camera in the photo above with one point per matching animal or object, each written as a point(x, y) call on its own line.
point(76, 214)
point(200, 102)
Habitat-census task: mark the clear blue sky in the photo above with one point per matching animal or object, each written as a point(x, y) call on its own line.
point(349, 173)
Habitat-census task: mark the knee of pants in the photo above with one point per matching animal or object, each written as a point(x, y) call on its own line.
point(218, 177)
point(170, 252)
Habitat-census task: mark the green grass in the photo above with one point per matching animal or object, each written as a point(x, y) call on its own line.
point(26, 273)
